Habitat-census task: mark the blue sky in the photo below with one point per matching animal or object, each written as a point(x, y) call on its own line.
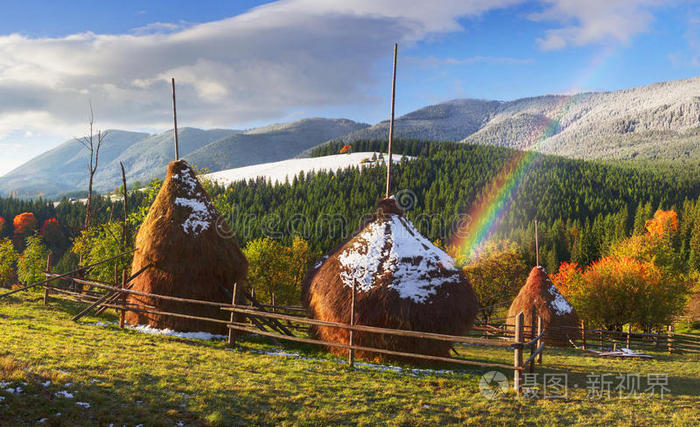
point(240, 65)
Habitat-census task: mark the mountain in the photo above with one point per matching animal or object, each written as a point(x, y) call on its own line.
point(271, 143)
point(148, 158)
point(64, 169)
point(61, 169)
point(659, 121)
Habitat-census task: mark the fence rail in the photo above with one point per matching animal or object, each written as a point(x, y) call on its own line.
point(589, 338)
point(107, 295)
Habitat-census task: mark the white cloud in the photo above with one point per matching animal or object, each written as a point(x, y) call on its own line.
point(259, 66)
point(594, 21)
point(254, 66)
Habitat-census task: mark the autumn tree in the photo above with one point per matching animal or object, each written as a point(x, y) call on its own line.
point(53, 235)
point(8, 260)
point(30, 267)
point(564, 278)
point(2, 225)
point(614, 291)
point(496, 272)
point(24, 225)
point(659, 245)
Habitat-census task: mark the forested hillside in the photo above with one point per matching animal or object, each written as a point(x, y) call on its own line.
point(582, 207)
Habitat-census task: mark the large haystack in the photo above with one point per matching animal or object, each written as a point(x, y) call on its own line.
point(402, 281)
point(191, 258)
point(556, 312)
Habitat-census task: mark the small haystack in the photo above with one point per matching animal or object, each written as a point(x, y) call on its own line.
point(193, 257)
point(556, 312)
point(402, 281)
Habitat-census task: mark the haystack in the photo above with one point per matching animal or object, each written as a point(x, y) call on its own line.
point(402, 281)
point(539, 292)
point(193, 257)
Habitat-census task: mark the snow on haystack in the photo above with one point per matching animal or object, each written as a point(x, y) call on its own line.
point(394, 246)
point(401, 281)
point(558, 316)
point(559, 304)
point(201, 215)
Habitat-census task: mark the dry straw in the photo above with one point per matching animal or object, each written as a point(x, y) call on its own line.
point(190, 258)
point(451, 309)
point(558, 316)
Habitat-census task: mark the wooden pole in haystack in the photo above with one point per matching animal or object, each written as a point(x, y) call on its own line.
point(391, 123)
point(177, 150)
point(537, 246)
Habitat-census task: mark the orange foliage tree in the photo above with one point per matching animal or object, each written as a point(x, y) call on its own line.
point(614, 291)
point(346, 148)
point(641, 282)
point(664, 222)
point(2, 224)
point(24, 223)
point(568, 272)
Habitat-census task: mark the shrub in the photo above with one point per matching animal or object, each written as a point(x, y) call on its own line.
point(8, 261)
point(496, 272)
point(277, 269)
point(30, 267)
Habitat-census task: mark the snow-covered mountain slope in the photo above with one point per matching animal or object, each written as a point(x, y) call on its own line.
point(288, 169)
point(659, 121)
point(270, 143)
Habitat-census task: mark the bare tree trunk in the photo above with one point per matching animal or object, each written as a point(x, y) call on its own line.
point(93, 145)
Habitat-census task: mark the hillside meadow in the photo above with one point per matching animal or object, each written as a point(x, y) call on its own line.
point(93, 373)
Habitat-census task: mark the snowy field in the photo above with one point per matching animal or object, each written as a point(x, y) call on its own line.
point(280, 171)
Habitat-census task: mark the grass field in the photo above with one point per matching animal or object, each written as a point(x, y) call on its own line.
point(127, 377)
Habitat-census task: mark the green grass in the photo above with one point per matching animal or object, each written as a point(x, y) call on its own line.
point(132, 378)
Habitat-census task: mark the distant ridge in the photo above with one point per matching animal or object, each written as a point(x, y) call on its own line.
point(659, 121)
point(655, 122)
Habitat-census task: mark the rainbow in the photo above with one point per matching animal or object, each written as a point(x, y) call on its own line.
point(485, 215)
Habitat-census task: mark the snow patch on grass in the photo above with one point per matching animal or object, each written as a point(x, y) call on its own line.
point(369, 366)
point(147, 329)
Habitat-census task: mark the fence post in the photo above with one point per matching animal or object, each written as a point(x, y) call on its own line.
point(122, 313)
point(46, 286)
point(670, 339)
point(602, 339)
point(273, 302)
point(539, 341)
point(518, 354)
point(533, 316)
point(351, 353)
point(232, 332)
point(583, 334)
point(629, 333)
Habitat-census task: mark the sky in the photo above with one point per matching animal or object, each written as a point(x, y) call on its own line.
point(243, 64)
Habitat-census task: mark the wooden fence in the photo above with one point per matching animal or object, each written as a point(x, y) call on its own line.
point(276, 321)
point(603, 339)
